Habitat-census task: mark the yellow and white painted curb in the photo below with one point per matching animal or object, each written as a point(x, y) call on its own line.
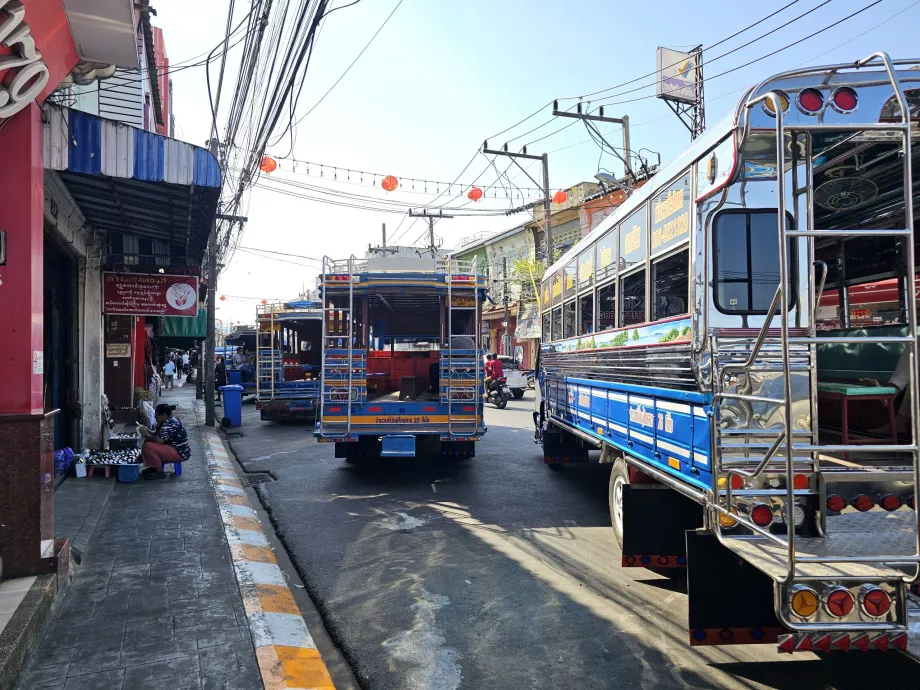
point(286, 653)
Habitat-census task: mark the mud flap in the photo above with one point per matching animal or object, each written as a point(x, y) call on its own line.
point(655, 522)
point(731, 602)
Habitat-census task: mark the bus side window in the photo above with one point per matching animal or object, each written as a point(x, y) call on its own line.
point(671, 276)
point(568, 317)
point(746, 262)
point(547, 336)
point(586, 314)
point(557, 323)
point(607, 307)
point(632, 289)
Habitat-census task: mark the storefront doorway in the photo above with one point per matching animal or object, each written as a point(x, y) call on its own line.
point(60, 359)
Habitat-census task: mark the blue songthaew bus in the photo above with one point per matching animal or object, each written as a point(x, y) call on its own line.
point(402, 372)
point(680, 339)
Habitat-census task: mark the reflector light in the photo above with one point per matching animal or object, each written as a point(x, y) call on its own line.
point(874, 601)
point(810, 100)
point(786, 643)
point(863, 503)
point(898, 641)
point(727, 521)
point(838, 601)
point(881, 642)
point(761, 515)
point(890, 502)
point(823, 642)
point(737, 482)
point(804, 644)
point(842, 642)
point(726, 634)
point(800, 481)
point(768, 103)
point(844, 99)
point(862, 642)
point(836, 503)
point(804, 601)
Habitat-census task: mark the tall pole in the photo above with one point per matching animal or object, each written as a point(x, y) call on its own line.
point(506, 337)
point(210, 351)
point(546, 211)
point(431, 234)
point(384, 239)
point(626, 144)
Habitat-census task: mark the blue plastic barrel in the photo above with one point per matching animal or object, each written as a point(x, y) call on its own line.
point(234, 376)
point(233, 405)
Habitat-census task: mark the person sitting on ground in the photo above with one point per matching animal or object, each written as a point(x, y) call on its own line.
point(167, 443)
point(169, 371)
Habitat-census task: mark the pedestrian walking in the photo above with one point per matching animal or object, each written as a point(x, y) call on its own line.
point(169, 372)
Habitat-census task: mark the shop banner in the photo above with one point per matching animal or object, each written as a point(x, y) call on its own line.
point(139, 294)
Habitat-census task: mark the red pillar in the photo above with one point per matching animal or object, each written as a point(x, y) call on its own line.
point(140, 348)
point(21, 289)
point(27, 542)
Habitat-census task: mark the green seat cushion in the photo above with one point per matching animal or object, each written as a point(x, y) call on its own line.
point(853, 390)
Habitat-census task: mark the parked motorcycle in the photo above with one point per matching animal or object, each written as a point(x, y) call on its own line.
point(499, 393)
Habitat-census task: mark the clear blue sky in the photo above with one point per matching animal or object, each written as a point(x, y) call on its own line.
point(442, 76)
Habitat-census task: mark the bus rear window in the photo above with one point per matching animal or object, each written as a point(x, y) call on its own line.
point(746, 262)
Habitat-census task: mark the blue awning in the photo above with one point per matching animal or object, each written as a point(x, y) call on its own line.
point(155, 197)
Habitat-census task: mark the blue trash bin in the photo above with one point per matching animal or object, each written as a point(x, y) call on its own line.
point(233, 406)
point(235, 377)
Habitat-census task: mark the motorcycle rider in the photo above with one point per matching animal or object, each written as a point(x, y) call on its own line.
point(494, 371)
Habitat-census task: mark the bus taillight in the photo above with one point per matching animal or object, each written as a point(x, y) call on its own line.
point(810, 101)
point(844, 99)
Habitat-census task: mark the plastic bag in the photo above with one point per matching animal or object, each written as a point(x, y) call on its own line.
point(63, 460)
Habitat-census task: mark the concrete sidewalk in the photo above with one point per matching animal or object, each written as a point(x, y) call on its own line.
point(155, 602)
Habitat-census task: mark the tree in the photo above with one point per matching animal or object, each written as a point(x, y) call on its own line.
point(670, 336)
point(685, 332)
point(591, 344)
point(620, 339)
point(635, 335)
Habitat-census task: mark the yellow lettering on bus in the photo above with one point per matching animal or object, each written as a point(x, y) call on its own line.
point(671, 204)
point(606, 258)
point(671, 230)
point(632, 240)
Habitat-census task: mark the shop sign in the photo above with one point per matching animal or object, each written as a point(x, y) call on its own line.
point(462, 301)
point(36, 52)
point(113, 350)
point(140, 294)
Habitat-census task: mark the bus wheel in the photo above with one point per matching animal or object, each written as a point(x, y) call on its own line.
point(619, 478)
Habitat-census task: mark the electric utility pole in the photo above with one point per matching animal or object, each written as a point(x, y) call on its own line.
point(587, 118)
point(506, 336)
point(544, 160)
point(425, 213)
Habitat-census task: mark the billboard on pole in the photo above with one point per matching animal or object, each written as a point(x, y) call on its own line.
point(677, 76)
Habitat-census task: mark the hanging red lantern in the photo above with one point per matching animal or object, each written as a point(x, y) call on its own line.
point(268, 164)
point(475, 194)
point(223, 298)
point(560, 197)
point(264, 301)
point(389, 183)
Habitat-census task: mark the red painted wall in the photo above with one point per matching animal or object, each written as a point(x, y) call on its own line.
point(138, 353)
point(162, 62)
point(21, 279)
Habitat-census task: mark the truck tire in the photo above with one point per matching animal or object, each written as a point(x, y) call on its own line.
point(619, 477)
point(518, 393)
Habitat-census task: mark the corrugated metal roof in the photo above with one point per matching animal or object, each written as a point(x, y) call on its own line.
point(84, 143)
point(151, 194)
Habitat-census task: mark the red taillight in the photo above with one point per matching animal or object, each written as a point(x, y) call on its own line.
point(737, 482)
point(761, 515)
point(845, 99)
point(863, 503)
point(890, 502)
point(838, 601)
point(836, 503)
point(874, 600)
point(800, 481)
point(810, 100)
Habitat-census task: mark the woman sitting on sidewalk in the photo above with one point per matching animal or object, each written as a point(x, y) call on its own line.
point(168, 443)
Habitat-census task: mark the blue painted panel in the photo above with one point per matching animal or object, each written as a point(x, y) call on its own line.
point(701, 440)
point(599, 407)
point(398, 446)
point(207, 170)
point(618, 416)
point(148, 156)
point(651, 391)
point(642, 422)
point(85, 141)
point(674, 431)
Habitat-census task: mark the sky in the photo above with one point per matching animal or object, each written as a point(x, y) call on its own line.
point(441, 77)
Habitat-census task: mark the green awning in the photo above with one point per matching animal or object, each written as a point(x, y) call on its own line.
point(185, 327)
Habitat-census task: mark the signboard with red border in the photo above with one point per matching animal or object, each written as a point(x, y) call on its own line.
point(141, 294)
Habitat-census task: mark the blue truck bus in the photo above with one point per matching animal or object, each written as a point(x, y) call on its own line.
point(288, 359)
point(680, 340)
point(402, 367)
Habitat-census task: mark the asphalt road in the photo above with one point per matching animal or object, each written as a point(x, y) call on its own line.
point(496, 572)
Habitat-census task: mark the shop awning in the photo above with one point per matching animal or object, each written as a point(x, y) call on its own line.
point(155, 197)
point(184, 327)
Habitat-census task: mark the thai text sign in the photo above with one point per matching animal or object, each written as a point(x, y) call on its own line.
point(149, 295)
point(632, 240)
point(671, 215)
